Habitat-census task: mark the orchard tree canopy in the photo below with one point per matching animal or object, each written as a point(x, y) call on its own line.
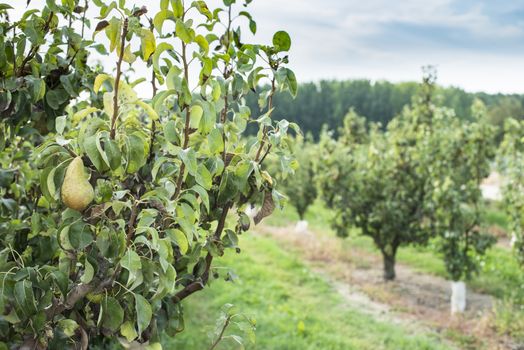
point(375, 185)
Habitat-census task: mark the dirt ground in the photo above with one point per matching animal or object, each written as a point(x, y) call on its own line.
point(414, 299)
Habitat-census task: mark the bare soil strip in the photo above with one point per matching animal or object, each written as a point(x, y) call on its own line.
point(416, 300)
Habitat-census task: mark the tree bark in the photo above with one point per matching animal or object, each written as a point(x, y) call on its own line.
point(389, 266)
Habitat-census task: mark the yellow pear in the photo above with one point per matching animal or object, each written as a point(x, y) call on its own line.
point(77, 192)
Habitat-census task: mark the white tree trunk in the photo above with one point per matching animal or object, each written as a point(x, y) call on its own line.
point(458, 297)
point(301, 226)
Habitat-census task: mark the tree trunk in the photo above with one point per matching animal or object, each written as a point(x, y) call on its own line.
point(389, 266)
point(458, 297)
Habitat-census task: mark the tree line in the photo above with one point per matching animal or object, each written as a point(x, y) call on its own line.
point(327, 102)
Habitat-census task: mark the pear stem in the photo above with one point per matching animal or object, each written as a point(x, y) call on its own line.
point(117, 79)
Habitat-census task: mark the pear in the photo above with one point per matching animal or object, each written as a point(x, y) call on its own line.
point(77, 192)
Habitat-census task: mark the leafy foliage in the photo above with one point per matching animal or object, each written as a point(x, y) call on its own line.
point(166, 173)
point(417, 180)
point(327, 102)
point(372, 182)
point(42, 66)
point(511, 163)
point(461, 155)
point(301, 187)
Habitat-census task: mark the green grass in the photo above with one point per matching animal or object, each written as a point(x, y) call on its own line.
point(293, 308)
point(500, 274)
point(495, 215)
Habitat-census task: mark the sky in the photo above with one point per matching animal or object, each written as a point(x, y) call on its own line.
point(476, 45)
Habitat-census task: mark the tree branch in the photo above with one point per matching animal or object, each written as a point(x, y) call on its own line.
point(34, 49)
point(117, 79)
point(199, 284)
point(186, 126)
point(221, 335)
point(131, 224)
point(264, 134)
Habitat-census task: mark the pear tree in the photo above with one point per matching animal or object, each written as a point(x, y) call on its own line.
point(371, 180)
point(135, 198)
point(301, 188)
point(457, 168)
point(511, 164)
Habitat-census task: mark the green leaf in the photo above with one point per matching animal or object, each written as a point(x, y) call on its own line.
point(112, 314)
point(282, 41)
point(203, 177)
point(99, 80)
point(38, 90)
point(202, 42)
point(178, 8)
point(292, 81)
point(188, 157)
point(204, 196)
point(131, 262)
point(128, 331)
point(196, 115)
point(160, 17)
point(25, 298)
point(149, 110)
point(147, 43)
point(203, 9)
point(180, 239)
point(81, 114)
point(171, 133)
point(68, 326)
point(60, 124)
point(136, 154)
point(56, 98)
point(91, 147)
point(183, 32)
point(113, 33)
point(89, 272)
point(216, 141)
point(61, 280)
point(113, 153)
point(156, 56)
point(80, 235)
point(143, 312)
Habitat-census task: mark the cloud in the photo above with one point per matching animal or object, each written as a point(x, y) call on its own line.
point(478, 45)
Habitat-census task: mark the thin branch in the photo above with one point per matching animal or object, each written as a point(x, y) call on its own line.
point(221, 335)
point(131, 224)
point(34, 49)
point(269, 107)
point(200, 283)
point(84, 19)
point(186, 126)
point(117, 79)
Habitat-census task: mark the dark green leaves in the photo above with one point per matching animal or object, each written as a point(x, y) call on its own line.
point(143, 312)
point(135, 153)
point(112, 314)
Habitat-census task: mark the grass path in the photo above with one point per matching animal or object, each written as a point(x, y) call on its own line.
point(295, 308)
point(499, 276)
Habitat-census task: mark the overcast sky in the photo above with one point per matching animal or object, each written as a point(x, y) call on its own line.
point(476, 44)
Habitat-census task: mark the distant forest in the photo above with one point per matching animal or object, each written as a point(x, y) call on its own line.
point(328, 101)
